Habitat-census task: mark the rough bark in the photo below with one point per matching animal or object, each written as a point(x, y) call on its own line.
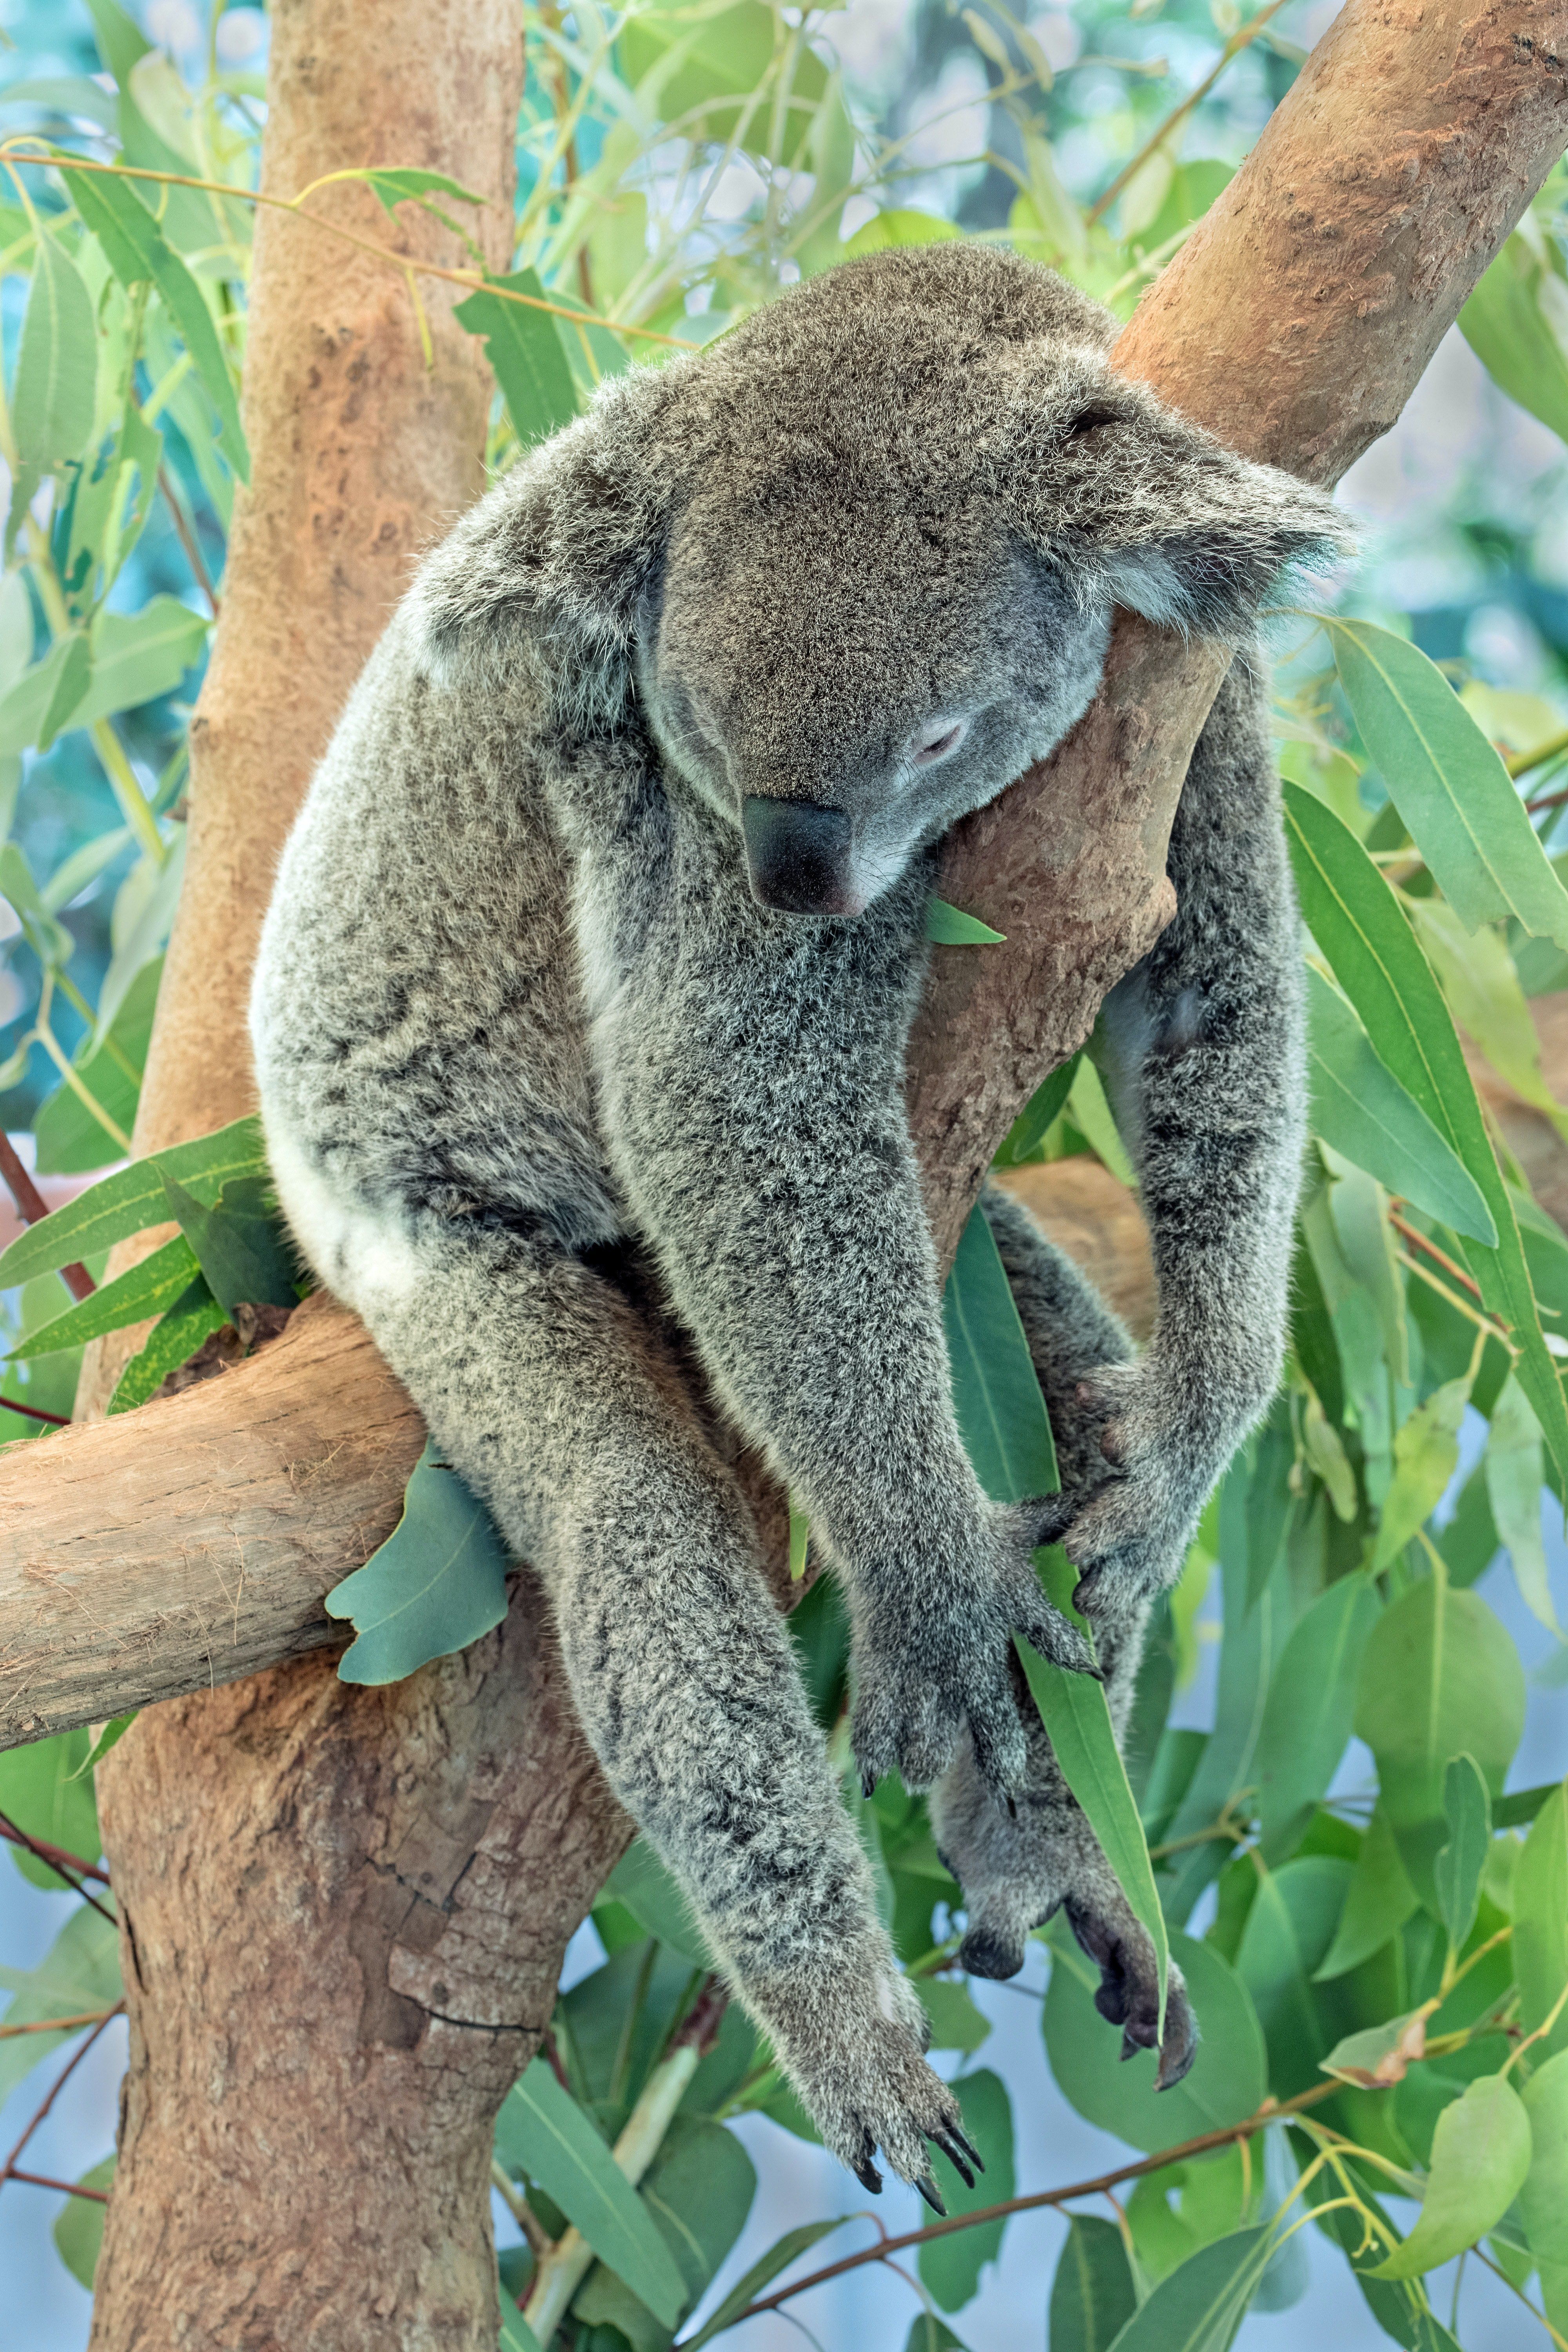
point(331, 1896)
point(320, 2029)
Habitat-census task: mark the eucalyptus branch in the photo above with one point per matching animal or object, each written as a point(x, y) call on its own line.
point(1240, 39)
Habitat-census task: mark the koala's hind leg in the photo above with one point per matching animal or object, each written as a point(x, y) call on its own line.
point(1016, 1867)
point(558, 1403)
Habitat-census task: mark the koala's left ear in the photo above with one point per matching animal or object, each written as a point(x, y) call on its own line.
point(1139, 506)
point(544, 573)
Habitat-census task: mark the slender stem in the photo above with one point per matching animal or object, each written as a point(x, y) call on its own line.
point(1520, 763)
point(31, 1207)
point(1239, 41)
point(540, 2241)
point(35, 1411)
point(84, 1093)
point(1271, 2111)
point(8, 2169)
point(1418, 1240)
point(67, 2187)
point(53, 1859)
point(188, 540)
point(62, 2025)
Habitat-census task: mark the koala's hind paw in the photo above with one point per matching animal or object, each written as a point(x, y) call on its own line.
point(1129, 1993)
point(1127, 1536)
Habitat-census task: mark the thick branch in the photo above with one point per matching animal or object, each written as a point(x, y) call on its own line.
point(1296, 321)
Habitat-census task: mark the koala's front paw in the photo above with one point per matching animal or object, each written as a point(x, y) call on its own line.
point(1129, 1993)
point(859, 2064)
point(924, 1675)
point(1127, 1536)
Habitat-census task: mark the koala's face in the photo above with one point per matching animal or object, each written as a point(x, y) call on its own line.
point(841, 675)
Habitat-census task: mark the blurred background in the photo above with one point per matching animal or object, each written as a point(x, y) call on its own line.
point(1463, 508)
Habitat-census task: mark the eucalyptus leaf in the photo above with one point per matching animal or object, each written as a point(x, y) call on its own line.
point(1028, 1131)
point(1200, 2307)
point(699, 2190)
point(950, 926)
point(1480, 2159)
point(437, 1584)
point(132, 1199)
point(1229, 2074)
point(1466, 1807)
point(1093, 2294)
point(1515, 1476)
point(1541, 1921)
point(949, 2267)
point(1544, 2200)
point(1448, 783)
point(78, 1974)
point(141, 1290)
point(523, 346)
point(1425, 1457)
point(79, 2228)
point(643, 1883)
point(174, 1340)
point(1289, 1927)
point(133, 657)
point(1311, 1712)
point(43, 1792)
point(1506, 327)
point(779, 2256)
point(54, 389)
point(239, 1241)
point(1378, 1901)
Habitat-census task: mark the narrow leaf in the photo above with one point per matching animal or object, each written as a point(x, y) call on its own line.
point(949, 2267)
point(1028, 1131)
point(132, 1199)
point(1544, 2200)
point(435, 1585)
point(1480, 2157)
point(1378, 1902)
point(950, 926)
point(141, 1290)
point(641, 1881)
point(1092, 2294)
point(1360, 1107)
point(240, 1243)
point(1541, 1920)
point(1466, 1807)
point(54, 391)
point(1200, 2307)
point(995, 1395)
point(174, 1340)
point(516, 2334)
point(779, 2256)
point(1448, 783)
point(1506, 327)
point(543, 2133)
point(1516, 1477)
point(1425, 1457)
point(1310, 1713)
point(524, 348)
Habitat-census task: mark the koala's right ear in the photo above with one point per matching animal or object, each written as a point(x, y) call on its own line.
point(545, 573)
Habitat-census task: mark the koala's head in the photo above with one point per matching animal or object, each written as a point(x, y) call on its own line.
point(857, 561)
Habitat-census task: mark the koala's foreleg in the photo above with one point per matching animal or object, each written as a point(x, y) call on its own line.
point(1018, 1864)
point(554, 1400)
point(1204, 1054)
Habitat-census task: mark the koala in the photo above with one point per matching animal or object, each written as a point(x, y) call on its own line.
point(580, 1022)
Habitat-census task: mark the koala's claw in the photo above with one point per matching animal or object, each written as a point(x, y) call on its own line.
point(867, 2174)
point(1129, 1994)
point(958, 2152)
point(931, 2194)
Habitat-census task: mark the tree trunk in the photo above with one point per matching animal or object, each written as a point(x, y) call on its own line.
point(338, 1940)
point(320, 2027)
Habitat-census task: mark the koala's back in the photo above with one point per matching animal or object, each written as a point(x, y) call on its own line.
point(417, 1020)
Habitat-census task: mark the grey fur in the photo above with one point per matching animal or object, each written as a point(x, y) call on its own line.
point(528, 1044)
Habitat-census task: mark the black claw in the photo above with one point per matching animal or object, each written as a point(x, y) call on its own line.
point(927, 2189)
point(971, 2153)
point(1009, 1801)
point(867, 2174)
point(867, 1784)
point(940, 2139)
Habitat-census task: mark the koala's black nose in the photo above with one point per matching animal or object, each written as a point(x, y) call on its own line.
point(797, 855)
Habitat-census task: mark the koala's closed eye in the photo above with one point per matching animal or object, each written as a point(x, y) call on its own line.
point(1090, 420)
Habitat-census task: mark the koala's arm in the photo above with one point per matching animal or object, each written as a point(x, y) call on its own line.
point(752, 1085)
point(1204, 1057)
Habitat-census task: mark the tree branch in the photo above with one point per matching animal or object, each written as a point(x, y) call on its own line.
point(151, 1555)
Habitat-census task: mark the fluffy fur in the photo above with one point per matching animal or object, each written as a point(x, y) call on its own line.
point(556, 1103)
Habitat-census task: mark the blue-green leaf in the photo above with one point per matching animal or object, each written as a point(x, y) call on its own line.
point(779, 2256)
point(1229, 2075)
point(141, 1290)
point(54, 390)
point(950, 926)
point(996, 1396)
point(642, 1883)
point(132, 1199)
point(435, 1585)
point(516, 2334)
point(949, 2267)
point(1093, 2294)
point(1505, 324)
point(1308, 1721)
point(1360, 1107)
point(133, 659)
point(1480, 2157)
point(1466, 1807)
point(1200, 2307)
point(79, 2229)
point(240, 1241)
point(523, 346)
point(1028, 1131)
point(542, 2134)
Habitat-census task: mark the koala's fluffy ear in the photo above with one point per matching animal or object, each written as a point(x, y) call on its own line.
point(545, 573)
point(1137, 506)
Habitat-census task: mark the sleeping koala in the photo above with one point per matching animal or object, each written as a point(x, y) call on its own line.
point(580, 1024)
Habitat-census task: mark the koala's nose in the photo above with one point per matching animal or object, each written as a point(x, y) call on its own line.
point(797, 855)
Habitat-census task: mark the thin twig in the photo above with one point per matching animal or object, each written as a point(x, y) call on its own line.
point(1418, 1240)
point(8, 2169)
point(31, 1207)
point(67, 2187)
point(1272, 2112)
point(52, 1859)
point(1520, 763)
point(188, 540)
point(1239, 41)
point(57, 1855)
point(36, 1412)
point(62, 2025)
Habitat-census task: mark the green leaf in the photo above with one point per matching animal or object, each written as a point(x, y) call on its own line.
point(1201, 2306)
point(54, 388)
point(516, 2334)
point(1092, 1116)
point(79, 2230)
point(779, 2256)
point(393, 185)
point(949, 2267)
point(1355, 918)
point(110, 1735)
point(135, 657)
point(1448, 783)
point(1515, 1475)
point(1480, 2157)
point(950, 926)
point(524, 348)
point(650, 1893)
point(119, 39)
point(698, 2190)
point(70, 1141)
point(1521, 1805)
point(1544, 2200)
point(711, 65)
point(1028, 1131)
point(146, 936)
point(49, 940)
point(996, 1396)
point(1425, 1457)
point(435, 1585)
point(930, 2333)
point(1379, 2054)
point(134, 248)
point(1440, 1676)
point(542, 2134)
point(79, 1973)
point(240, 1243)
point(1360, 1107)
point(1541, 1920)
point(1466, 1807)
point(1092, 2294)
point(141, 1290)
point(132, 1199)
point(70, 680)
point(1505, 324)
point(1229, 2075)
point(41, 1790)
point(1310, 1717)
point(955, 2023)
point(174, 1340)
point(1378, 1902)
point(1290, 1926)
point(799, 1542)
